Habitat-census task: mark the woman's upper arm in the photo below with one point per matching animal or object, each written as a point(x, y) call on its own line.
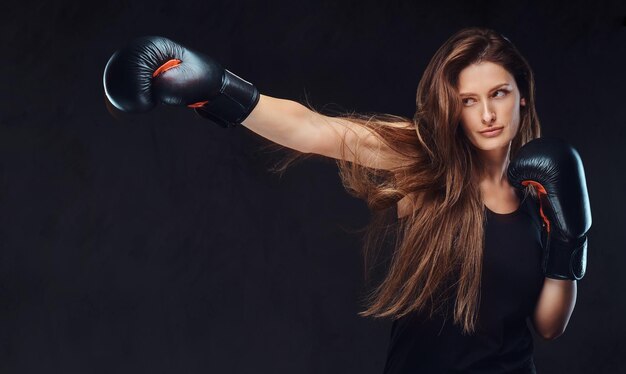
point(295, 126)
point(372, 152)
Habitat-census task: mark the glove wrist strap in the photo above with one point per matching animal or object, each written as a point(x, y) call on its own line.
point(237, 98)
point(565, 259)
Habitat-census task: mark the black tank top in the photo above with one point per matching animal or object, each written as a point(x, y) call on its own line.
point(511, 282)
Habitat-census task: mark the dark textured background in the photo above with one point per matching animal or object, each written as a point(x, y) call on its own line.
point(160, 243)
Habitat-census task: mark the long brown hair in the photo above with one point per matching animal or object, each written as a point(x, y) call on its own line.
point(438, 250)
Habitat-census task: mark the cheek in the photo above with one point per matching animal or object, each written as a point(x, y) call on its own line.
point(511, 107)
point(468, 130)
point(515, 116)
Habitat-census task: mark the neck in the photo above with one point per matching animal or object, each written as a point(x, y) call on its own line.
point(494, 166)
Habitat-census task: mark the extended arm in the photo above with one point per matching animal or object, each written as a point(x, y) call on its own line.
point(295, 126)
point(153, 70)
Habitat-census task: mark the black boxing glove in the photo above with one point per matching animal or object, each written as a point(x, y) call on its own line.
point(555, 169)
point(153, 69)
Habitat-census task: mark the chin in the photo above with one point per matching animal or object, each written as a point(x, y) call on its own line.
point(487, 145)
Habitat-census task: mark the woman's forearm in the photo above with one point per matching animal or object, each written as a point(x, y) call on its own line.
point(554, 307)
point(282, 121)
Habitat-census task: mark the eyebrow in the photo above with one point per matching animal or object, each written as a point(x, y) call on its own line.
point(491, 90)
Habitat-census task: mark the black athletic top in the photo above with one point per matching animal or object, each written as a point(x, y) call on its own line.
point(511, 281)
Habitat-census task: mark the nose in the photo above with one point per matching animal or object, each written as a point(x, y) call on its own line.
point(489, 115)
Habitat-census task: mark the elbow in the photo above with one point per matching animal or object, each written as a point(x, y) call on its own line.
point(548, 331)
point(550, 335)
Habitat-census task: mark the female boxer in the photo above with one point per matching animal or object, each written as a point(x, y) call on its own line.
point(491, 217)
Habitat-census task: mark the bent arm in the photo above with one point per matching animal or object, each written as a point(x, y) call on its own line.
point(295, 126)
point(554, 308)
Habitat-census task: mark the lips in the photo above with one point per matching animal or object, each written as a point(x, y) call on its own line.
point(493, 130)
point(492, 133)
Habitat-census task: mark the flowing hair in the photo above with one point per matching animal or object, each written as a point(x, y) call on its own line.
point(438, 250)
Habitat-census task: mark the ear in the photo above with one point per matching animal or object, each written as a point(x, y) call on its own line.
point(522, 102)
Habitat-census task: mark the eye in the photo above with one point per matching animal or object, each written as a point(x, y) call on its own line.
point(465, 101)
point(503, 92)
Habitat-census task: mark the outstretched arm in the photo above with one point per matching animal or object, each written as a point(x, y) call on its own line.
point(153, 70)
point(295, 126)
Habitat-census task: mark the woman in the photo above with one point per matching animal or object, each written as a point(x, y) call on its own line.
point(470, 263)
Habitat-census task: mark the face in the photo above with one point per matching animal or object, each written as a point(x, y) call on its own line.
point(490, 101)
